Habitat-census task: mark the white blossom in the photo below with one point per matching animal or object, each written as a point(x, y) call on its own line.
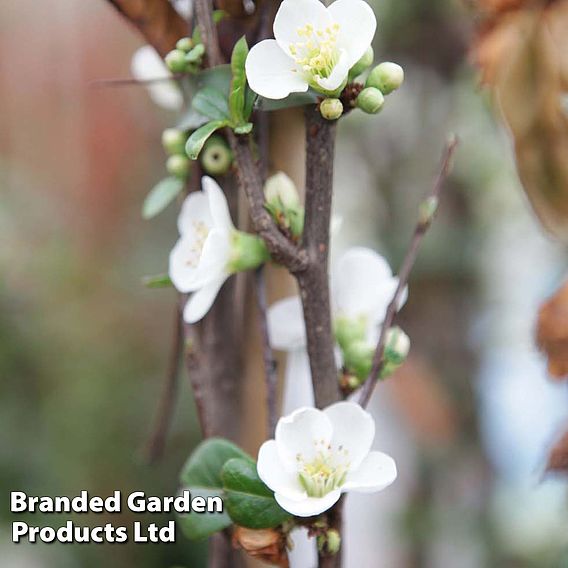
point(315, 46)
point(319, 454)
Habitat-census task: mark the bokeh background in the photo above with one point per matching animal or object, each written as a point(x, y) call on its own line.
point(83, 345)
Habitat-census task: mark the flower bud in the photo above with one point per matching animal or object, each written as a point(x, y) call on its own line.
point(329, 542)
point(247, 252)
point(387, 77)
point(185, 44)
point(195, 55)
point(397, 346)
point(370, 100)
point(358, 358)
point(349, 330)
point(173, 141)
point(216, 156)
point(428, 209)
point(175, 60)
point(331, 109)
point(178, 166)
point(363, 64)
point(280, 191)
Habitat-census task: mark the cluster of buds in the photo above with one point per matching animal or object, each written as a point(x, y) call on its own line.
point(187, 57)
point(283, 203)
point(173, 141)
point(382, 81)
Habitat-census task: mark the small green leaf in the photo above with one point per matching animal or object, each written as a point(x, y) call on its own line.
point(211, 103)
point(157, 281)
point(162, 194)
point(202, 476)
point(196, 141)
point(244, 128)
point(250, 99)
point(238, 82)
point(217, 77)
point(218, 15)
point(249, 502)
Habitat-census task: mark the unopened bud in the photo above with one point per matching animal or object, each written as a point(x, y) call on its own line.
point(397, 346)
point(216, 156)
point(358, 358)
point(387, 77)
point(280, 191)
point(175, 60)
point(247, 252)
point(370, 100)
point(331, 109)
point(363, 64)
point(185, 44)
point(329, 542)
point(428, 209)
point(178, 166)
point(173, 141)
point(349, 330)
point(195, 55)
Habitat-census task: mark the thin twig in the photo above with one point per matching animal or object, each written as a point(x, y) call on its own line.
point(157, 441)
point(130, 81)
point(268, 356)
point(204, 17)
point(408, 263)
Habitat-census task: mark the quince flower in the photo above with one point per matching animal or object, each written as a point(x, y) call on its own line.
point(315, 46)
point(319, 454)
point(362, 287)
point(147, 65)
point(209, 249)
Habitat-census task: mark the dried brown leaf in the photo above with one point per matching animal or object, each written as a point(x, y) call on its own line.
point(267, 545)
point(552, 332)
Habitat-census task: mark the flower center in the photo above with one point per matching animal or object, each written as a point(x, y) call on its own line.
point(326, 472)
point(200, 232)
point(316, 51)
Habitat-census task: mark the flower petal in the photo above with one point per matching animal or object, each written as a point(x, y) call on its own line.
point(296, 14)
point(214, 258)
point(201, 301)
point(275, 475)
point(183, 264)
point(362, 284)
point(286, 327)
point(357, 26)
point(195, 213)
point(376, 472)
point(298, 388)
point(353, 430)
point(338, 75)
point(298, 433)
point(310, 506)
point(217, 203)
point(147, 64)
point(271, 73)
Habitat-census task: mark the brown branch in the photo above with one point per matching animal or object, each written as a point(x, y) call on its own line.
point(130, 81)
point(268, 356)
point(209, 37)
point(420, 231)
point(157, 440)
point(156, 20)
point(314, 280)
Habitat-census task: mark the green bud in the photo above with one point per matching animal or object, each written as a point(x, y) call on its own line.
point(349, 330)
point(185, 44)
point(175, 60)
point(331, 109)
point(387, 77)
point(195, 55)
point(370, 100)
point(363, 64)
point(330, 542)
point(280, 191)
point(173, 141)
point(428, 209)
point(247, 252)
point(178, 166)
point(397, 346)
point(216, 156)
point(358, 358)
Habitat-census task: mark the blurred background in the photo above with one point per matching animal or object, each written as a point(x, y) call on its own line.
point(470, 418)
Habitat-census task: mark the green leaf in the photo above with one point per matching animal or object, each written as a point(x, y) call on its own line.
point(293, 100)
point(218, 15)
point(238, 82)
point(244, 128)
point(216, 77)
point(202, 476)
point(249, 502)
point(196, 141)
point(250, 99)
point(211, 103)
point(161, 195)
point(157, 281)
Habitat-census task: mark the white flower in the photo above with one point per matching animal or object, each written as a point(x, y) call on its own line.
point(199, 262)
point(183, 7)
point(314, 46)
point(317, 455)
point(148, 65)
